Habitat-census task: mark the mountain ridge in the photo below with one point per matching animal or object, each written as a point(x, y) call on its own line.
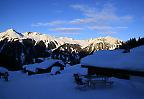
point(48, 38)
point(18, 49)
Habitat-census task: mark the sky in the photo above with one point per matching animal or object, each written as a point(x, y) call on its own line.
point(78, 19)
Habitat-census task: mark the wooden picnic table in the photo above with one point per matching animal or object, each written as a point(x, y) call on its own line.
point(97, 81)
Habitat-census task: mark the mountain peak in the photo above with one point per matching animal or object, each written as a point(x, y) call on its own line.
point(32, 33)
point(10, 30)
point(11, 34)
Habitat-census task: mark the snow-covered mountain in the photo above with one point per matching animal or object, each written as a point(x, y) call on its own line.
point(10, 34)
point(82, 43)
point(69, 53)
point(47, 39)
point(103, 43)
point(24, 48)
point(58, 41)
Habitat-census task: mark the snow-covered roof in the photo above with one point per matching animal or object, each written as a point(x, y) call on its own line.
point(116, 59)
point(2, 69)
point(42, 65)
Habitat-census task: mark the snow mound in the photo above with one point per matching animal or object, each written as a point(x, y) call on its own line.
point(55, 69)
point(2, 69)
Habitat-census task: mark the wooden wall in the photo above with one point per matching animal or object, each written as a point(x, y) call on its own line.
point(111, 72)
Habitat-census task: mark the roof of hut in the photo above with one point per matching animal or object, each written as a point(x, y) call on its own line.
point(134, 60)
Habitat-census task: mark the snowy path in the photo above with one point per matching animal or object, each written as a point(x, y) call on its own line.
point(61, 86)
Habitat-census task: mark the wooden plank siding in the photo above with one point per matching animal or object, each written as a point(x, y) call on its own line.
point(48, 70)
point(111, 72)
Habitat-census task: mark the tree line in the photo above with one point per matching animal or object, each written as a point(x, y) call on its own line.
point(132, 42)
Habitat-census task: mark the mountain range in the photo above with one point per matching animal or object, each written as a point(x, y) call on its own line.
point(17, 49)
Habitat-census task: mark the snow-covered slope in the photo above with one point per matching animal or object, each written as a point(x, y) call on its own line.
point(69, 53)
point(59, 40)
point(117, 59)
point(37, 36)
point(45, 86)
point(103, 43)
point(42, 37)
point(82, 43)
point(109, 39)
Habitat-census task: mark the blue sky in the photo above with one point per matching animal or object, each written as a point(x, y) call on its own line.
point(79, 19)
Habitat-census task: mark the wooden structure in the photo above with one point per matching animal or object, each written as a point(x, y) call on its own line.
point(28, 72)
point(40, 70)
point(113, 72)
point(48, 70)
point(92, 81)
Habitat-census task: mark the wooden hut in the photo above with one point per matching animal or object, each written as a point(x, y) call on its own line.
point(115, 63)
point(48, 70)
point(43, 67)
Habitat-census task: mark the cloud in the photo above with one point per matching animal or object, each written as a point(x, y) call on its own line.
point(68, 30)
point(122, 27)
point(93, 14)
point(82, 21)
point(100, 27)
point(52, 23)
point(104, 19)
point(108, 32)
point(88, 11)
point(106, 27)
point(58, 22)
point(39, 24)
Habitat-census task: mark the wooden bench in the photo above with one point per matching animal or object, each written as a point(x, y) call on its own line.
point(100, 83)
point(89, 81)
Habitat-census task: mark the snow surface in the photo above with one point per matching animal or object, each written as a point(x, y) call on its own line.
point(83, 43)
point(116, 59)
point(42, 65)
point(2, 69)
point(108, 39)
point(55, 69)
point(62, 86)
